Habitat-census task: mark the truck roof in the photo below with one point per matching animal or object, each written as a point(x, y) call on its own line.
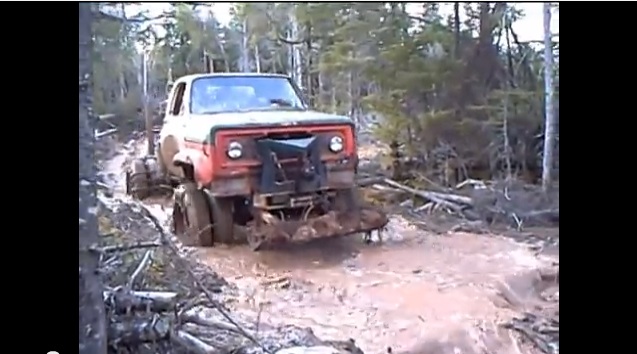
point(192, 77)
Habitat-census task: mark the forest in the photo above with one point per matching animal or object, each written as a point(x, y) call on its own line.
point(447, 96)
point(456, 93)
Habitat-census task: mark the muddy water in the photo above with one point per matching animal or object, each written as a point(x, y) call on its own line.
point(393, 294)
point(397, 293)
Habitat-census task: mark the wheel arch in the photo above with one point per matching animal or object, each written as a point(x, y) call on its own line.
point(183, 161)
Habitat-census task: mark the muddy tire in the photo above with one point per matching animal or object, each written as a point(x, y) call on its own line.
point(137, 184)
point(223, 218)
point(196, 212)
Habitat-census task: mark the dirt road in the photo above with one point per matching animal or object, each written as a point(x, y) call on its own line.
point(413, 287)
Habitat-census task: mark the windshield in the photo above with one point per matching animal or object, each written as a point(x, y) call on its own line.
point(242, 93)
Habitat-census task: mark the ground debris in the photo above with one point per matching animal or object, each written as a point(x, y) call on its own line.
point(542, 331)
point(160, 300)
point(536, 296)
point(503, 202)
point(195, 326)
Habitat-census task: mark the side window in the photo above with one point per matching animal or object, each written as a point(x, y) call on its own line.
point(177, 103)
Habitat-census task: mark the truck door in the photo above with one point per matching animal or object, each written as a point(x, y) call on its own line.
point(172, 131)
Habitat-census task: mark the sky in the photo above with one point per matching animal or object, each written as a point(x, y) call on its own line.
point(530, 28)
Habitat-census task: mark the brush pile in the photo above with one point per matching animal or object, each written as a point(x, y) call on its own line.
point(160, 300)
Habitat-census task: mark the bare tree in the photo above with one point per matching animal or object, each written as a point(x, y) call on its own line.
point(549, 123)
point(92, 327)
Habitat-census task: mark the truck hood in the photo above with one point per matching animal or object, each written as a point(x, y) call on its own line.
point(264, 119)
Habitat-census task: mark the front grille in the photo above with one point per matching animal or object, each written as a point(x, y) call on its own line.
point(290, 168)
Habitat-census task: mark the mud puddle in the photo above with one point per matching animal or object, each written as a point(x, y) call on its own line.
point(411, 287)
point(396, 294)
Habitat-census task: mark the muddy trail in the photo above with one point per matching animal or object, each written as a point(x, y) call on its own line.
point(415, 292)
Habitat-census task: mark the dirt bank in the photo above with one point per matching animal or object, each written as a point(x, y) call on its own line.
point(415, 290)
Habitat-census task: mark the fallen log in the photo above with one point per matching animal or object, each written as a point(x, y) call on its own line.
point(317, 349)
point(433, 196)
point(192, 343)
point(123, 301)
point(138, 331)
point(457, 203)
point(552, 215)
point(192, 316)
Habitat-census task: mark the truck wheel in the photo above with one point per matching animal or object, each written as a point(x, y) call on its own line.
point(223, 219)
point(196, 213)
point(137, 180)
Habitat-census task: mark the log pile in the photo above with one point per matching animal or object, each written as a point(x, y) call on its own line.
point(158, 300)
point(510, 203)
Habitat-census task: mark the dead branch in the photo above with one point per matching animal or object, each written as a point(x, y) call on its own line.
point(193, 317)
point(441, 198)
point(471, 182)
point(126, 247)
point(186, 266)
point(146, 260)
point(102, 185)
point(190, 342)
point(139, 331)
point(364, 182)
point(550, 214)
point(317, 349)
point(106, 116)
point(457, 203)
point(380, 187)
point(448, 200)
point(99, 135)
point(124, 301)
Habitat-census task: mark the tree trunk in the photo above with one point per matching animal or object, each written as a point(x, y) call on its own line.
point(257, 59)
point(297, 57)
point(456, 30)
point(92, 327)
point(549, 122)
point(245, 56)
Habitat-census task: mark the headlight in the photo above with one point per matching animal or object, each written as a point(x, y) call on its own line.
point(336, 144)
point(235, 150)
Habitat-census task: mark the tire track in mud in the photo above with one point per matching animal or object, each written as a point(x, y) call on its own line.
point(413, 287)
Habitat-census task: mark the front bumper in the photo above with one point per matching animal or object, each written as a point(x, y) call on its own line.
point(331, 224)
